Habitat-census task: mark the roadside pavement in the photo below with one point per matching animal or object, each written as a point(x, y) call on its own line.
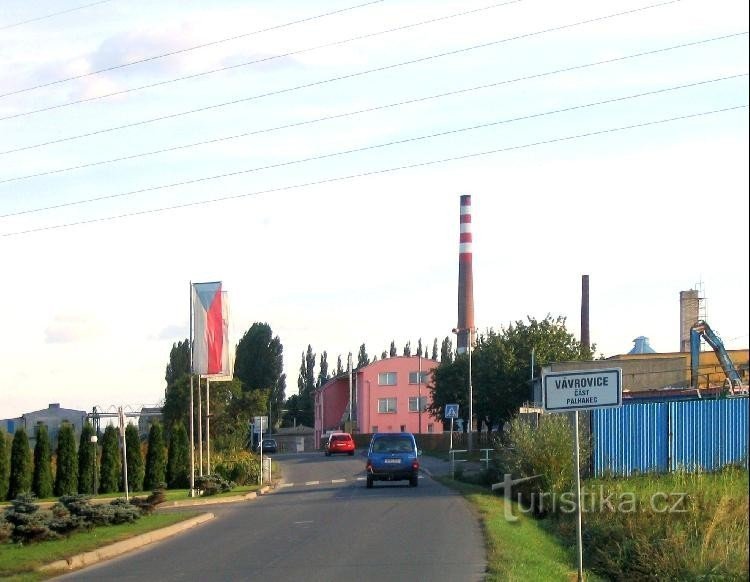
point(437, 467)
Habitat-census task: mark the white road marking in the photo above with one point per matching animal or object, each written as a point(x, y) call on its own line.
point(338, 480)
point(312, 483)
point(286, 485)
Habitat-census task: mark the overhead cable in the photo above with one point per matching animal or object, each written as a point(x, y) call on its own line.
point(371, 173)
point(334, 79)
point(188, 49)
point(38, 18)
point(373, 147)
point(370, 109)
point(263, 60)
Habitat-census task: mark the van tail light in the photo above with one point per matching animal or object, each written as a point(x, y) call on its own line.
point(368, 467)
point(415, 465)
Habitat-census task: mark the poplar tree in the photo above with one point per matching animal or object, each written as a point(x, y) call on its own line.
point(362, 358)
point(155, 458)
point(41, 483)
point(109, 481)
point(393, 352)
point(4, 464)
point(134, 458)
point(66, 477)
point(20, 465)
point(419, 348)
point(407, 348)
point(177, 459)
point(435, 350)
point(86, 459)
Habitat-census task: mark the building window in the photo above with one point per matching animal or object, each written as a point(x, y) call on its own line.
point(403, 428)
point(414, 377)
point(414, 403)
point(387, 379)
point(374, 428)
point(386, 405)
point(430, 428)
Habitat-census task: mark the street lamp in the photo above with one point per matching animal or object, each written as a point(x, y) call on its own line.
point(93, 439)
point(470, 331)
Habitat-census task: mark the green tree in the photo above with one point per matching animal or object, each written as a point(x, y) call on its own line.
point(407, 348)
point(306, 387)
point(446, 350)
point(259, 358)
point(179, 362)
point(20, 465)
point(323, 376)
point(384, 355)
point(178, 458)
point(501, 368)
point(41, 483)
point(134, 458)
point(362, 358)
point(66, 477)
point(155, 458)
point(177, 402)
point(393, 352)
point(87, 452)
point(4, 463)
point(435, 350)
point(109, 481)
point(419, 348)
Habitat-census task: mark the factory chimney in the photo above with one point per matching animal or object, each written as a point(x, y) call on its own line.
point(689, 314)
point(465, 279)
point(585, 335)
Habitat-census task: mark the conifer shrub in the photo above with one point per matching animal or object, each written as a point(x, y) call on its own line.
point(213, 484)
point(87, 453)
point(66, 478)
point(41, 483)
point(19, 481)
point(136, 470)
point(4, 464)
point(109, 480)
point(155, 458)
point(178, 460)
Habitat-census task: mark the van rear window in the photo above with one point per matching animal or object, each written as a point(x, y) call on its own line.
point(392, 444)
point(340, 437)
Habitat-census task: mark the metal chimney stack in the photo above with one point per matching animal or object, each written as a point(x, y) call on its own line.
point(585, 335)
point(689, 315)
point(465, 278)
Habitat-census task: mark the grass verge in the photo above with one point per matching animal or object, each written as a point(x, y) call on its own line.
point(517, 550)
point(19, 562)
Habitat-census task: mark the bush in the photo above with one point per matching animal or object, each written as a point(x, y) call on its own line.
point(243, 468)
point(149, 504)
point(20, 465)
point(29, 524)
point(178, 458)
point(546, 450)
point(41, 483)
point(155, 457)
point(213, 484)
point(66, 478)
point(4, 463)
point(109, 480)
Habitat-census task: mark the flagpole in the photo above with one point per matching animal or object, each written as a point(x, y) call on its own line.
point(208, 431)
point(200, 429)
point(192, 434)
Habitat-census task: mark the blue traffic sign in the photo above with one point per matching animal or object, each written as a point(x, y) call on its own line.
point(451, 411)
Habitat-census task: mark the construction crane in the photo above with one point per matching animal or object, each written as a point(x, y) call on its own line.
point(702, 330)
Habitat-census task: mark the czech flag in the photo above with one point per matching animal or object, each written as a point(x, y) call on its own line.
point(210, 326)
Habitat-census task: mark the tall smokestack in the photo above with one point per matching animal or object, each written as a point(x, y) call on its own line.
point(465, 278)
point(585, 336)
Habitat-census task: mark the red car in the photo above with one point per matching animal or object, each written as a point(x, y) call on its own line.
point(340, 442)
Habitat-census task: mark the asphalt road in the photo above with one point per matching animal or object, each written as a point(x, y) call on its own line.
point(320, 524)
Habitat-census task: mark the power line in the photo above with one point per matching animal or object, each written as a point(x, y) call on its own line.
point(371, 173)
point(6, 26)
point(372, 147)
point(263, 60)
point(191, 48)
point(370, 109)
point(339, 78)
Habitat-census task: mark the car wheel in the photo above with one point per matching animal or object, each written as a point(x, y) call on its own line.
point(413, 481)
point(369, 482)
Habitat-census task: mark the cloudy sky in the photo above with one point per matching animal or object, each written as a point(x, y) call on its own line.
point(311, 156)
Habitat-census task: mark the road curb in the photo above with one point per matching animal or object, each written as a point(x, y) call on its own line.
point(119, 548)
point(213, 501)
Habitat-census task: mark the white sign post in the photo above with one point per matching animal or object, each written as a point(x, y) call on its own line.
point(451, 411)
point(581, 390)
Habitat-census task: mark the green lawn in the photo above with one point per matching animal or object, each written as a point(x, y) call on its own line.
point(19, 562)
point(521, 550)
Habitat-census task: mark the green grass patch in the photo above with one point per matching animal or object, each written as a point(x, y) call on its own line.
point(518, 550)
point(19, 562)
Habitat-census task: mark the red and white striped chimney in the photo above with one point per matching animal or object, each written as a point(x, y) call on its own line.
point(465, 278)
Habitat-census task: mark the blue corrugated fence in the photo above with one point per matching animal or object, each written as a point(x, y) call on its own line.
point(661, 436)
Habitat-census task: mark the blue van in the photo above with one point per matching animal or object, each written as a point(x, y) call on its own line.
point(392, 456)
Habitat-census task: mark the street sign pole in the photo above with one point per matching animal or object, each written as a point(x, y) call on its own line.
point(576, 390)
point(579, 536)
point(451, 447)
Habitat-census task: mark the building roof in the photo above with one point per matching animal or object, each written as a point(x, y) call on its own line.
point(641, 346)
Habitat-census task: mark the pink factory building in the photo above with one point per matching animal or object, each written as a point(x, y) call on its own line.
point(386, 398)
